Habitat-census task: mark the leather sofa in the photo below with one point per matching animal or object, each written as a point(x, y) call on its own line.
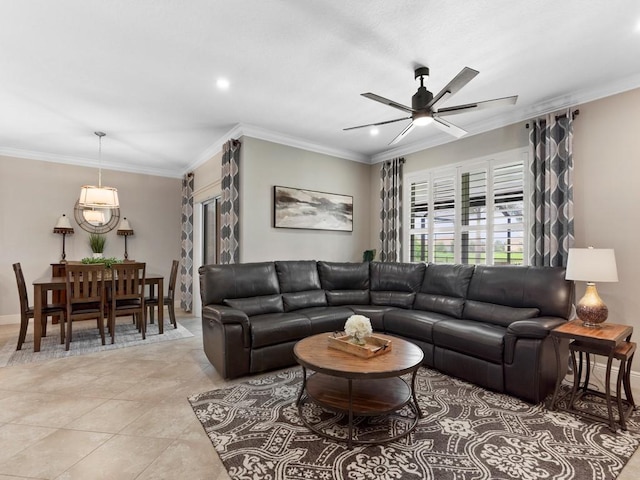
point(485, 324)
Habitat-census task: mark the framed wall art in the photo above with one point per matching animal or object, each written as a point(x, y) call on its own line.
point(308, 209)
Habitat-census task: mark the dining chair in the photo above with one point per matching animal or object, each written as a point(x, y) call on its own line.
point(152, 301)
point(26, 311)
point(127, 294)
point(85, 288)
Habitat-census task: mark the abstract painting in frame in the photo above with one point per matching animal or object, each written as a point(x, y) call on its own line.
point(308, 209)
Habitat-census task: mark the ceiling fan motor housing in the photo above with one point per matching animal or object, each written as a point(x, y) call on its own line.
point(421, 98)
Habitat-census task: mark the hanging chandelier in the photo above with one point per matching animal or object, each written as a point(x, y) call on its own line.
point(99, 197)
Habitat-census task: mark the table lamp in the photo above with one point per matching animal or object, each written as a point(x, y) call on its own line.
point(63, 227)
point(124, 230)
point(592, 265)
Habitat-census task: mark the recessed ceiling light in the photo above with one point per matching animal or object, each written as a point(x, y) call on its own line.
point(374, 131)
point(222, 84)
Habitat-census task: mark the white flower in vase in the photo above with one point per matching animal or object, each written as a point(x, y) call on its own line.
point(358, 327)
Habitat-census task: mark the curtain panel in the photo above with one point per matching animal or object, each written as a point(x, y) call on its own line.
point(186, 237)
point(391, 210)
point(230, 203)
point(552, 230)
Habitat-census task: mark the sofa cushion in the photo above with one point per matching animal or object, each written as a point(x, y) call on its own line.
point(438, 303)
point(412, 324)
point(220, 282)
point(375, 313)
point(344, 276)
point(297, 300)
point(298, 275)
point(275, 328)
point(348, 297)
point(256, 305)
point(480, 340)
point(498, 314)
point(399, 277)
point(392, 299)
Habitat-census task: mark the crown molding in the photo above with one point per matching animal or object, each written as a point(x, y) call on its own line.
point(260, 133)
point(86, 162)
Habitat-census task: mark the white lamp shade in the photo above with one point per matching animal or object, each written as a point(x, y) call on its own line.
point(98, 197)
point(63, 223)
point(592, 265)
point(124, 224)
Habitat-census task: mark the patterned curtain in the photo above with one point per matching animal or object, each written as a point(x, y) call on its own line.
point(391, 211)
point(186, 254)
point(230, 203)
point(551, 141)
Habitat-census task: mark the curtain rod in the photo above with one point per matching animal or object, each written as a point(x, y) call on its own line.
point(574, 114)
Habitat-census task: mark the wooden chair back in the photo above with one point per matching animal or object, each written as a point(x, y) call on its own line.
point(22, 290)
point(85, 285)
point(127, 281)
point(172, 279)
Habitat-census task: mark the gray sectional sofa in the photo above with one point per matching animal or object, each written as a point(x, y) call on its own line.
point(485, 324)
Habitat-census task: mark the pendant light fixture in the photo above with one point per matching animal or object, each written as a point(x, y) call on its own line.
point(99, 197)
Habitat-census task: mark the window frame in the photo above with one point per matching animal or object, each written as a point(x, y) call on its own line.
point(488, 164)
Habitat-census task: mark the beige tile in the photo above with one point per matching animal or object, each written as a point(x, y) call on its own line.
point(45, 409)
point(122, 457)
point(150, 390)
point(186, 459)
point(167, 420)
point(15, 438)
point(53, 454)
point(110, 416)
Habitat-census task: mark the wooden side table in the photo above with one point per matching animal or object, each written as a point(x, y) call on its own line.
point(610, 340)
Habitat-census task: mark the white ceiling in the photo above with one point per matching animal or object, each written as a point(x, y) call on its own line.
point(144, 71)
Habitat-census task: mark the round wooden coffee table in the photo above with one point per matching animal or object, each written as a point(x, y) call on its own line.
point(348, 384)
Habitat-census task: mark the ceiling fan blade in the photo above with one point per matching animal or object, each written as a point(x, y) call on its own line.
point(403, 134)
point(496, 102)
point(448, 127)
point(386, 101)
point(465, 76)
point(376, 124)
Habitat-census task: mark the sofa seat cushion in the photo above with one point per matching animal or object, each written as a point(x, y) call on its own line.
point(375, 313)
point(308, 298)
point(412, 324)
point(274, 328)
point(326, 319)
point(256, 305)
point(476, 339)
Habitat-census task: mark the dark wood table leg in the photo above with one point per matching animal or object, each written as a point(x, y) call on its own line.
point(612, 423)
point(38, 301)
point(413, 393)
point(350, 442)
point(161, 305)
point(304, 384)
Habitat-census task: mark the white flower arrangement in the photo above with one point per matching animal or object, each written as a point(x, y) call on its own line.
point(358, 327)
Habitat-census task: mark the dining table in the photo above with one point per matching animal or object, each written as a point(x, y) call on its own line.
point(43, 285)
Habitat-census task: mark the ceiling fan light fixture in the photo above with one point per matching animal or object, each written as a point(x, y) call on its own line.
point(420, 120)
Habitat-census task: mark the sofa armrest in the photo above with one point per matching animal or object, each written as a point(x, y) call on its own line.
point(227, 315)
point(538, 327)
point(532, 328)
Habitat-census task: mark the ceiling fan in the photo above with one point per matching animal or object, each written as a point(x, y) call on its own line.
point(424, 106)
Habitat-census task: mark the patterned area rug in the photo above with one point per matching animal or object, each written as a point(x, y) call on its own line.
point(86, 340)
point(466, 433)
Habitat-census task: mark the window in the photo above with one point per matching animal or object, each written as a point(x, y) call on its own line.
point(471, 213)
point(211, 231)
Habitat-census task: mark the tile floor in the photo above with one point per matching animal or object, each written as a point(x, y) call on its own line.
point(119, 415)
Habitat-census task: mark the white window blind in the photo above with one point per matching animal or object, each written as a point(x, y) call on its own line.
point(470, 213)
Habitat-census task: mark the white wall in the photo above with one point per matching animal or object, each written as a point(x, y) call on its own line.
point(265, 164)
point(33, 194)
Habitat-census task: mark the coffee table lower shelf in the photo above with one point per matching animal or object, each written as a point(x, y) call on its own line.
point(358, 398)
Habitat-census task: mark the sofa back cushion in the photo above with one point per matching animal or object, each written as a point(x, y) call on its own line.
point(392, 299)
point(220, 282)
point(544, 288)
point(257, 305)
point(310, 298)
point(298, 275)
point(444, 288)
point(396, 277)
point(344, 276)
point(497, 314)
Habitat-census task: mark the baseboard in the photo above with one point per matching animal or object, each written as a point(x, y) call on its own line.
point(10, 319)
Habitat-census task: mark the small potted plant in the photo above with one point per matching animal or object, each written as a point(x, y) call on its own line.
point(96, 242)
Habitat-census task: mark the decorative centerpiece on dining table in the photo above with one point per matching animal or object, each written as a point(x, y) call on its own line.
point(358, 339)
